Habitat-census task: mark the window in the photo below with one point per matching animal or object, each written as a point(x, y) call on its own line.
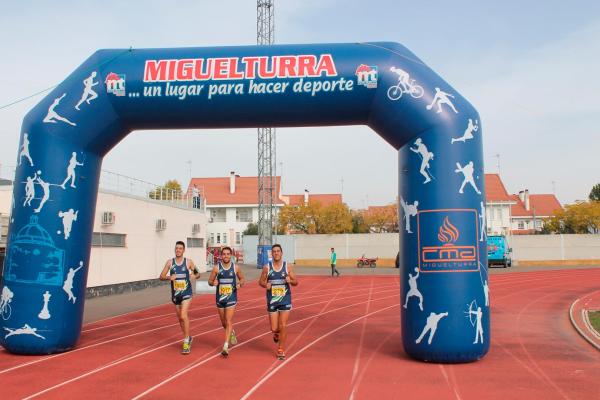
point(101, 239)
point(212, 238)
point(218, 238)
point(218, 214)
point(243, 214)
point(238, 238)
point(225, 238)
point(195, 242)
point(499, 214)
point(539, 224)
point(521, 225)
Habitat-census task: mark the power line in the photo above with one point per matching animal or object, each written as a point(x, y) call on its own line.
point(12, 103)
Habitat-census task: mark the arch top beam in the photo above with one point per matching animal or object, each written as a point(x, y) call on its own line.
point(381, 85)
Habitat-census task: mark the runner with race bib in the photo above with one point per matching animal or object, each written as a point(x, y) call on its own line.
point(277, 277)
point(228, 278)
point(178, 270)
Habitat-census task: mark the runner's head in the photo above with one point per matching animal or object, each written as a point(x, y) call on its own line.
point(276, 252)
point(226, 254)
point(332, 249)
point(179, 248)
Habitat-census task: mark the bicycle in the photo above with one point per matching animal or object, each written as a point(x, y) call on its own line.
point(395, 92)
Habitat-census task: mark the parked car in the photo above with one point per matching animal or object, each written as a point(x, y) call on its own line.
point(498, 251)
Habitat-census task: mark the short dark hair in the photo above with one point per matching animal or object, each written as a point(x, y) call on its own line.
point(332, 248)
point(179, 242)
point(226, 248)
point(277, 245)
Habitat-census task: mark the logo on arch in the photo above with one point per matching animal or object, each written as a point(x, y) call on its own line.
point(447, 240)
point(366, 75)
point(115, 84)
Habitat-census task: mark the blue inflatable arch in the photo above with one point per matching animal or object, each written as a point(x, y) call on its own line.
point(444, 297)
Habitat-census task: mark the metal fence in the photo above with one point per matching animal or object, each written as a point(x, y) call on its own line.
point(112, 182)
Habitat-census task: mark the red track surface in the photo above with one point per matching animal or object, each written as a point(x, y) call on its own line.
point(343, 344)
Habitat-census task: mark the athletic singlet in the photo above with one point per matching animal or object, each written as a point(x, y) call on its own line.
point(280, 292)
point(181, 286)
point(227, 288)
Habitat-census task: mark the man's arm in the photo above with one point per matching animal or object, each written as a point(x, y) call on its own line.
point(263, 278)
point(163, 275)
point(212, 279)
point(194, 269)
point(291, 278)
point(240, 276)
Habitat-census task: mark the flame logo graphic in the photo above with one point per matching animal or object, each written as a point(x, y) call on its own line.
point(448, 232)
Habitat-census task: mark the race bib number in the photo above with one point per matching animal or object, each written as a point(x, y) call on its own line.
point(225, 290)
point(278, 291)
point(179, 284)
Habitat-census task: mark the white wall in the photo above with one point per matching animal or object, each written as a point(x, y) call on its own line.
point(146, 250)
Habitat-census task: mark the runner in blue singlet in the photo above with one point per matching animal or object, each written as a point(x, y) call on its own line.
point(277, 277)
point(228, 278)
point(178, 271)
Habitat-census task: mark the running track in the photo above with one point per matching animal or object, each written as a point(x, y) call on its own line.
point(343, 344)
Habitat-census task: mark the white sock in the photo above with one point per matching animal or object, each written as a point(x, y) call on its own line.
point(187, 339)
point(226, 346)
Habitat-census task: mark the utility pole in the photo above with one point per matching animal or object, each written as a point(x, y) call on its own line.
point(265, 27)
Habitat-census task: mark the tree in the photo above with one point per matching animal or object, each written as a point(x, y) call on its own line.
point(382, 219)
point(358, 223)
point(595, 193)
point(252, 229)
point(171, 190)
point(315, 218)
point(582, 217)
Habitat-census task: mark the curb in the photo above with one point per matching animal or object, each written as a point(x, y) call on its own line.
point(589, 328)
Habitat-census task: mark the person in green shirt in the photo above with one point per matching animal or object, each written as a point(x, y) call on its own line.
point(333, 261)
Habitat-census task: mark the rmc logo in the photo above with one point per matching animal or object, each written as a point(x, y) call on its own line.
point(453, 246)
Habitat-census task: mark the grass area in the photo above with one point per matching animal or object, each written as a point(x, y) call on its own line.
point(595, 319)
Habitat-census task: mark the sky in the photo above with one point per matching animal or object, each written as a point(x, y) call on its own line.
point(529, 67)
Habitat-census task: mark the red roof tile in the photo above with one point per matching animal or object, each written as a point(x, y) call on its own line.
point(544, 205)
point(324, 199)
point(216, 190)
point(494, 189)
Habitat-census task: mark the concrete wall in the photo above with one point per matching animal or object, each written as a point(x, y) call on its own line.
point(314, 250)
point(527, 249)
point(287, 242)
point(532, 249)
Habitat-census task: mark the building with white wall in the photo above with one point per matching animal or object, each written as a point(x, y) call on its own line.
point(232, 204)
point(134, 235)
point(498, 205)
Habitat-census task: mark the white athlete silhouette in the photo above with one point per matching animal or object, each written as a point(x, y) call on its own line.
point(25, 330)
point(467, 171)
point(73, 163)
point(5, 300)
point(413, 290)
point(67, 219)
point(68, 285)
point(479, 330)
point(410, 210)
point(403, 77)
point(30, 190)
point(45, 313)
point(46, 188)
point(486, 293)
point(468, 132)
point(88, 93)
point(482, 222)
point(25, 150)
point(53, 116)
point(426, 156)
point(431, 326)
point(441, 98)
